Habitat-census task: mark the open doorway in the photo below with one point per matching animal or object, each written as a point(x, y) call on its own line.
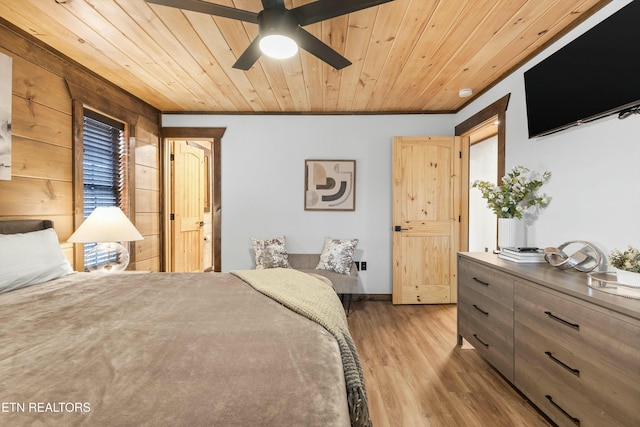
point(207, 246)
point(485, 136)
point(483, 165)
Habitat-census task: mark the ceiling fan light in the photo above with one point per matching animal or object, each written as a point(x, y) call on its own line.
point(278, 46)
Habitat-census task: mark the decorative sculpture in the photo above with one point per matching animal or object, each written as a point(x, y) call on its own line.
point(586, 258)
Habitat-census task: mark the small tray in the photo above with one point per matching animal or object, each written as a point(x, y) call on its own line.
point(606, 282)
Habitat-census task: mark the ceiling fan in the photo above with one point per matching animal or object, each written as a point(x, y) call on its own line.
point(280, 29)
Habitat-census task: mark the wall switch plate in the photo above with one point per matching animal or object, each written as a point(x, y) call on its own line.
point(357, 265)
point(363, 265)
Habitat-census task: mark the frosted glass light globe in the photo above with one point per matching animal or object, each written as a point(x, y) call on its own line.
point(278, 46)
point(109, 257)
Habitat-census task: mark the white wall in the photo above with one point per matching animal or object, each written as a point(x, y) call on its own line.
point(595, 167)
point(263, 182)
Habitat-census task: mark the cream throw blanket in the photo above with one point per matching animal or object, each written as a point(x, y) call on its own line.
point(313, 299)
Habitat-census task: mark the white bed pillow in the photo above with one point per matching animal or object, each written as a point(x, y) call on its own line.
point(270, 253)
point(337, 255)
point(31, 258)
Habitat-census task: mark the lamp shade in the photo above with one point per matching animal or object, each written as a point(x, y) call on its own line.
point(106, 224)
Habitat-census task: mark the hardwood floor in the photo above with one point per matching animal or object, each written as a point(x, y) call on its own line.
point(416, 375)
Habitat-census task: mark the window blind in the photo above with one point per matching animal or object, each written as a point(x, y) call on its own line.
point(104, 171)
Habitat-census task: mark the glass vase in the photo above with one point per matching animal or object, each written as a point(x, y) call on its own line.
point(628, 277)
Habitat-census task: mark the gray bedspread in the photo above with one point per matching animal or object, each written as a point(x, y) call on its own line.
point(164, 349)
point(316, 300)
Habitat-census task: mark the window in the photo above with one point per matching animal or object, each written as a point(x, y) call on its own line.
point(105, 159)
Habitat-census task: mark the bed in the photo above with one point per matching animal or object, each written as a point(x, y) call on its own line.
point(173, 349)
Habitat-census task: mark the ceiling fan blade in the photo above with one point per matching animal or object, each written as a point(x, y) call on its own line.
point(210, 8)
point(318, 48)
point(249, 56)
point(325, 9)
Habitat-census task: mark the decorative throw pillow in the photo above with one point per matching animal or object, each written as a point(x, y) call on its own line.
point(270, 253)
point(31, 258)
point(337, 255)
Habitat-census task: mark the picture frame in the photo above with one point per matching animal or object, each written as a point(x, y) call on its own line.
point(329, 185)
point(5, 116)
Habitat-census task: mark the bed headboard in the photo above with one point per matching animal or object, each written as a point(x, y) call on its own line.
point(14, 226)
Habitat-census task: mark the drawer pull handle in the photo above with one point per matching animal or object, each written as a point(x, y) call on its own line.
point(564, 322)
point(480, 310)
point(480, 281)
point(574, 371)
point(575, 420)
point(480, 341)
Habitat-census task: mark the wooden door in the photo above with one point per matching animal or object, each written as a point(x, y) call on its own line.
point(426, 219)
point(187, 185)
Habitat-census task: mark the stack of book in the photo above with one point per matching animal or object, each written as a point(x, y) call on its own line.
point(522, 255)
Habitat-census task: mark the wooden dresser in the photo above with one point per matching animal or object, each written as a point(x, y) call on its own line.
point(572, 350)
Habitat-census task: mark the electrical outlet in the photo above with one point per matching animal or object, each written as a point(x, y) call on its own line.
point(363, 265)
point(357, 265)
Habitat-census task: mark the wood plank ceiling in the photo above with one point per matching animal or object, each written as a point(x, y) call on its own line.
point(408, 55)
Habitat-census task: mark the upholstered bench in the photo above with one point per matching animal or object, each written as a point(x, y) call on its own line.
point(342, 284)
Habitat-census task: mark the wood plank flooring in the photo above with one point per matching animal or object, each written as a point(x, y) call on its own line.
point(416, 375)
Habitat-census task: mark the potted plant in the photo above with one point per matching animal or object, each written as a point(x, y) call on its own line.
point(627, 265)
point(512, 198)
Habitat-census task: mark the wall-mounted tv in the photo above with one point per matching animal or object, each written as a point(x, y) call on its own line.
point(595, 75)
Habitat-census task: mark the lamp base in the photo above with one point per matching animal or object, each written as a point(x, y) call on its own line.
point(108, 258)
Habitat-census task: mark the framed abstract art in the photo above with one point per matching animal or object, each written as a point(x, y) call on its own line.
point(330, 185)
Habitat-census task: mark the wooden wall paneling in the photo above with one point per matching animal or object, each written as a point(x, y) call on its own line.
point(147, 201)
point(148, 223)
point(78, 173)
point(27, 196)
point(49, 94)
point(147, 249)
point(39, 85)
point(151, 264)
point(130, 131)
point(68, 252)
point(147, 178)
point(36, 159)
point(146, 154)
point(39, 122)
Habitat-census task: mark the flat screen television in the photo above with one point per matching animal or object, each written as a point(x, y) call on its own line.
point(595, 75)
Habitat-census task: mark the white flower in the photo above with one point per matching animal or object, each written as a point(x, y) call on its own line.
point(515, 195)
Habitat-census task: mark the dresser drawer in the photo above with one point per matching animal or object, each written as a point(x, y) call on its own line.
point(557, 398)
point(494, 284)
point(477, 308)
point(609, 338)
point(586, 356)
point(597, 394)
point(491, 335)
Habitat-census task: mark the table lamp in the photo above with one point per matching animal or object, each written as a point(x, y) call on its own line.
point(107, 226)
